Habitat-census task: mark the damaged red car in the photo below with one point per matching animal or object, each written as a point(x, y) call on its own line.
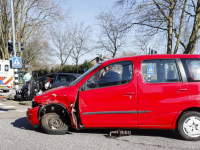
point(146, 91)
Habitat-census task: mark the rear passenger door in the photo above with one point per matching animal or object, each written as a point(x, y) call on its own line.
point(192, 68)
point(162, 91)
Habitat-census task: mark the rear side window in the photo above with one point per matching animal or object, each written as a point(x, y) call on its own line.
point(160, 71)
point(72, 78)
point(63, 78)
point(192, 69)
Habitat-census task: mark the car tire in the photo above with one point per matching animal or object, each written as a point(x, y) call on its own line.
point(55, 124)
point(188, 126)
point(24, 95)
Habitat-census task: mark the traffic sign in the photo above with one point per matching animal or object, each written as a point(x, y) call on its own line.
point(16, 62)
point(85, 69)
point(150, 70)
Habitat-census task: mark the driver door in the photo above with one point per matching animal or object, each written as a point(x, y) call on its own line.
point(110, 103)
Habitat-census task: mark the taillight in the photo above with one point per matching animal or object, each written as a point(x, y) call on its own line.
point(10, 87)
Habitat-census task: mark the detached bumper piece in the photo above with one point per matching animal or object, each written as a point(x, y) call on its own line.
point(119, 132)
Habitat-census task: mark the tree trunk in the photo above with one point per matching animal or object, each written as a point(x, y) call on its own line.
point(195, 31)
point(77, 66)
point(169, 43)
point(170, 29)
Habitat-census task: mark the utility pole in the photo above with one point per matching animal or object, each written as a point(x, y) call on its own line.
point(14, 48)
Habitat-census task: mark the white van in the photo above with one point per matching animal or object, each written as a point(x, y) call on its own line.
point(6, 76)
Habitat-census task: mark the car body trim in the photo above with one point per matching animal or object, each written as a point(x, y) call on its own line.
point(115, 112)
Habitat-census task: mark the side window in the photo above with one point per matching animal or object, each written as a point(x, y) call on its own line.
point(72, 78)
point(113, 74)
point(45, 79)
point(6, 68)
point(192, 69)
point(63, 78)
point(160, 71)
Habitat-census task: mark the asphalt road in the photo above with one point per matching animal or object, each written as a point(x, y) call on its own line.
point(17, 134)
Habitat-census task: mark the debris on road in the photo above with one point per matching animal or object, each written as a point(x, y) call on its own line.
point(119, 132)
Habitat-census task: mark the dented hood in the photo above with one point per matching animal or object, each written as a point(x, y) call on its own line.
point(63, 95)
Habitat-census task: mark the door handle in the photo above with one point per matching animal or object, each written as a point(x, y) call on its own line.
point(130, 93)
point(180, 90)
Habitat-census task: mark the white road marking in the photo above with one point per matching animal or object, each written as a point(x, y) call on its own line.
point(1, 104)
point(23, 110)
point(2, 111)
point(8, 106)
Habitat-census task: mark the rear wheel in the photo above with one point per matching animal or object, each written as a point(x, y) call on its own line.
point(188, 126)
point(53, 123)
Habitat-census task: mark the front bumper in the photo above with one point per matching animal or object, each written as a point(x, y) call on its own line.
point(32, 116)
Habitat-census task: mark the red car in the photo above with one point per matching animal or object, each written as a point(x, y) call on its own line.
point(146, 91)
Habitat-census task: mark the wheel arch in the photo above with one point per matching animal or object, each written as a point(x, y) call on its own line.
point(54, 107)
point(197, 109)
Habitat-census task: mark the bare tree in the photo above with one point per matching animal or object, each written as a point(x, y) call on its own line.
point(30, 15)
point(62, 43)
point(174, 18)
point(81, 37)
point(195, 30)
point(36, 51)
point(111, 38)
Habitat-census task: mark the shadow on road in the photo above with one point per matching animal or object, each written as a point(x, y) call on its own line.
point(7, 109)
point(23, 123)
point(134, 132)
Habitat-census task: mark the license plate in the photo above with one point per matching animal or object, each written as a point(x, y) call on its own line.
point(2, 87)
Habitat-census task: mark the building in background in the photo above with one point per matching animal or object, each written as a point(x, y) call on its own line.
point(98, 59)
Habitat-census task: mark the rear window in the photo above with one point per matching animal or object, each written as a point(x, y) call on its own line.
point(192, 69)
point(160, 71)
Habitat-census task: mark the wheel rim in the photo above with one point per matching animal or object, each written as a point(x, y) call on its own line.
point(55, 123)
point(191, 126)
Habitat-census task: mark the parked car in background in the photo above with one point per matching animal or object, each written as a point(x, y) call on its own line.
point(142, 92)
point(49, 81)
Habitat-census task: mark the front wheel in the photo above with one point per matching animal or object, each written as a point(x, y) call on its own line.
point(24, 95)
point(188, 126)
point(53, 123)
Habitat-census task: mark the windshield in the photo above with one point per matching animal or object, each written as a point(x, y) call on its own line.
point(83, 75)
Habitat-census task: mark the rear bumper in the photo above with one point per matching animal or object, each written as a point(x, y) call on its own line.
point(4, 88)
point(32, 116)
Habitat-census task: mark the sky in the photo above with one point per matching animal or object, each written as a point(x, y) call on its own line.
point(86, 11)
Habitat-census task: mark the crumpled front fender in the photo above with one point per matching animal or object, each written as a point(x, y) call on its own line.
point(32, 116)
